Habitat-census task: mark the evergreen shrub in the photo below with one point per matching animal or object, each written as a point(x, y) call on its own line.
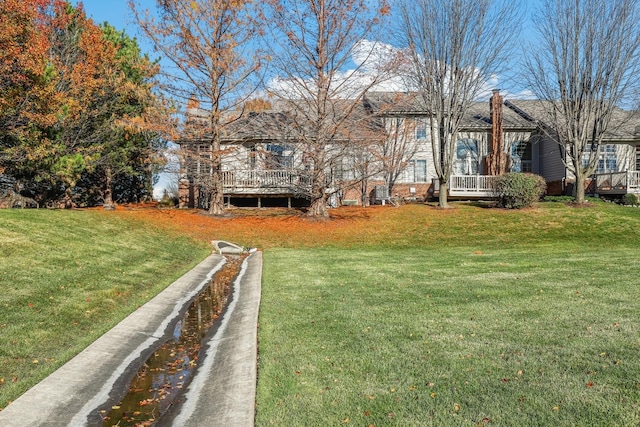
point(519, 190)
point(630, 200)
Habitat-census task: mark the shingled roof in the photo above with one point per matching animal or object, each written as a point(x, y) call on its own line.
point(283, 121)
point(624, 127)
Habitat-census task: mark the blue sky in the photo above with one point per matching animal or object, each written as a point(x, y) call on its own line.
point(116, 12)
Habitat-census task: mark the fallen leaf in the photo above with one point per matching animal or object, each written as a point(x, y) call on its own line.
point(590, 384)
point(456, 407)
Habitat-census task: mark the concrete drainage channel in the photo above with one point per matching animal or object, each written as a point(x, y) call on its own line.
point(221, 390)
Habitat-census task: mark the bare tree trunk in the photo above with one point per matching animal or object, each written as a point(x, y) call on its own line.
point(443, 195)
point(579, 188)
point(319, 197)
point(364, 187)
point(216, 200)
point(318, 208)
point(108, 191)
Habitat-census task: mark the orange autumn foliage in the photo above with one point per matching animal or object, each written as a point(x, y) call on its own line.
point(28, 95)
point(265, 228)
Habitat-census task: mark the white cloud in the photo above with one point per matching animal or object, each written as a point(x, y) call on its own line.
point(380, 64)
point(370, 63)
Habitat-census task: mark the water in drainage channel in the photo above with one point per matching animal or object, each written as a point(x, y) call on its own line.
point(158, 385)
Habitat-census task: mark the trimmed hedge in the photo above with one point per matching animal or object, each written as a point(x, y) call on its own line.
point(519, 190)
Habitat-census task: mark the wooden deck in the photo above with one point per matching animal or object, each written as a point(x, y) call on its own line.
point(264, 182)
point(469, 186)
point(473, 186)
point(617, 183)
point(286, 182)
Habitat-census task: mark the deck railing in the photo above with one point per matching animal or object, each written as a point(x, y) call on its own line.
point(472, 184)
point(264, 179)
point(618, 182)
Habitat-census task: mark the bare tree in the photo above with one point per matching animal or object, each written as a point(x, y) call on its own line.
point(210, 45)
point(456, 47)
point(585, 66)
point(314, 42)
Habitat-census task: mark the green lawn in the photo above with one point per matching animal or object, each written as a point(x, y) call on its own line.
point(66, 277)
point(538, 326)
point(409, 316)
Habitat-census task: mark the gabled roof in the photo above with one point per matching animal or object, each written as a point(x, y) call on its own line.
point(479, 117)
point(262, 126)
point(624, 125)
point(411, 104)
point(292, 120)
point(286, 119)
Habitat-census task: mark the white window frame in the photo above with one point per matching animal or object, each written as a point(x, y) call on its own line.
point(416, 171)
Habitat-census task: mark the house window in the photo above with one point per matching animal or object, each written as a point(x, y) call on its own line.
point(607, 159)
point(467, 158)
point(279, 157)
point(421, 130)
point(521, 157)
point(343, 169)
point(416, 171)
point(253, 158)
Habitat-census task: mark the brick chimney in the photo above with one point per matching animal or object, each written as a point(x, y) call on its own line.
point(497, 158)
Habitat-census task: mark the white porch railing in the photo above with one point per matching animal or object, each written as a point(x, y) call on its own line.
point(277, 180)
point(618, 182)
point(472, 185)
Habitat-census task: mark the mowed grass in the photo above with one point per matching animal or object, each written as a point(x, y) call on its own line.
point(379, 316)
point(473, 317)
point(66, 277)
